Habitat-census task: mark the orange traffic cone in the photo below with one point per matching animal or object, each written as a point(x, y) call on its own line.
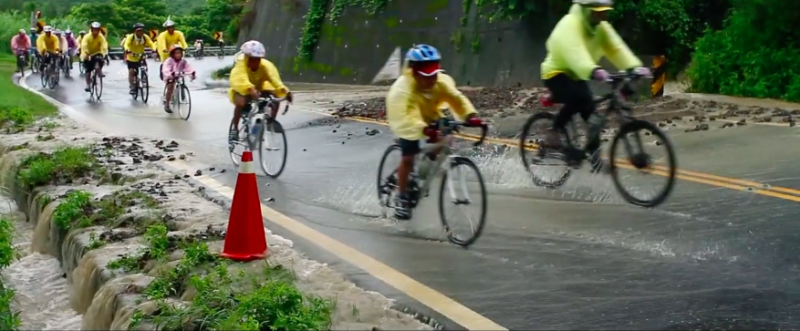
point(245, 239)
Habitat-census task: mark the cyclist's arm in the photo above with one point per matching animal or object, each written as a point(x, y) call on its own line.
point(404, 116)
point(41, 46)
point(459, 103)
point(274, 78)
point(84, 48)
point(615, 48)
point(103, 45)
point(182, 40)
point(149, 43)
point(126, 43)
point(56, 45)
point(567, 42)
point(161, 42)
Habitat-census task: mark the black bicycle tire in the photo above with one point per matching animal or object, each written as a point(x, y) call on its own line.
point(278, 127)
point(381, 164)
point(188, 96)
point(633, 126)
point(144, 85)
point(97, 85)
point(43, 77)
point(523, 141)
point(460, 160)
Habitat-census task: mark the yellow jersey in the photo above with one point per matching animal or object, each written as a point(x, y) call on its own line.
point(265, 78)
point(91, 45)
point(410, 109)
point(166, 40)
point(47, 43)
point(135, 45)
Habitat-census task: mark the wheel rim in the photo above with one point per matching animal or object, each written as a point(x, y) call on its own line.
point(273, 151)
point(184, 102)
point(662, 168)
point(460, 192)
point(145, 87)
point(547, 168)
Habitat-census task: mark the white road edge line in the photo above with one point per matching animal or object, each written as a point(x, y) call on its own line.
point(435, 300)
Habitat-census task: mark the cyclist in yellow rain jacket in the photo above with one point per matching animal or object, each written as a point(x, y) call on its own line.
point(94, 48)
point(578, 42)
point(414, 103)
point(252, 76)
point(48, 46)
point(134, 46)
point(169, 38)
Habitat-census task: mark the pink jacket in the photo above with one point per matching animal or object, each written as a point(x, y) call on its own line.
point(20, 42)
point(171, 66)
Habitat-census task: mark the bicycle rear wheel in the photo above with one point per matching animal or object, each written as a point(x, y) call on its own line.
point(182, 101)
point(387, 178)
point(272, 143)
point(537, 161)
point(638, 159)
point(453, 183)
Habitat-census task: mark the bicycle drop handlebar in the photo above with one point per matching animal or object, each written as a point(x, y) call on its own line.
point(449, 126)
point(263, 102)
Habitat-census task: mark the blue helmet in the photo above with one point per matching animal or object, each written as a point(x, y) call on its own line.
point(423, 53)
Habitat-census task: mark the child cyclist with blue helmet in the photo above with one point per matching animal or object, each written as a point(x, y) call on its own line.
point(414, 103)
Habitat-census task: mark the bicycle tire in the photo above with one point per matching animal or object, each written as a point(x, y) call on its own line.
point(456, 161)
point(97, 85)
point(285, 147)
point(44, 77)
point(381, 175)
point(237, 158)
point(544, 116)
point(52, 73)
point(34, 64)
point(81, 69)
point(177, 93)
point(144, 85)
point(634, 126)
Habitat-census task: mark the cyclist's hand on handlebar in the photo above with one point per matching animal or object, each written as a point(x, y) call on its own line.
point(643, 71)
point(474, 121)
point(289, 97)
point(600, 75)
point(431, 132)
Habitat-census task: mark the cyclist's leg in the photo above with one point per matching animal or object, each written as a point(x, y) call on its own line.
point(88, 65)
point(240, 103)
point(99, 63)
point(170, 87)
point(131, 72)
point(409, 149)
point(569, 92)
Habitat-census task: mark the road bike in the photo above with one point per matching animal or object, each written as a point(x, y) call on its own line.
point(96, 83)
point(66, 64)
point(198, 54)
point(449, 163)
point(141, 83)
point(637, 159)
point(22, 61)
point(269, 138)
point(35, 61)
point(50, 76)
point(181, 99)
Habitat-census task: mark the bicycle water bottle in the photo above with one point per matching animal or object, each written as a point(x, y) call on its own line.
point(256, 129)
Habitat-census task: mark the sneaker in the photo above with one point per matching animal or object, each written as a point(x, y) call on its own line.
point(233, 135)
point(402, 211)
point(88, 89)
point(132, 91)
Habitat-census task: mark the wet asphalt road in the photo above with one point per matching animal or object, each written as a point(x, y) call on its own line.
point(577, 258)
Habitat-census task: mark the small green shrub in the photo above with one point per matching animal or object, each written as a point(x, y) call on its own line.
point(63, 164)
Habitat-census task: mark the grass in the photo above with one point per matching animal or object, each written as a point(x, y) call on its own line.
point(63, 165)
point(80, 210)
point(222, 73)
point(9, 319)
point(18, 106)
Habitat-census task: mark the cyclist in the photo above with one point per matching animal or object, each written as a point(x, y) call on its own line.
point(251, 77)
point(63, 47)
point(33, 34)
point(578, 42)
point(413, 104)
point(94, 48)
point(134, 45)
point(198, 47)
point(48, 47)
point(168, 38)
point(72, 45)
point(21, 44)
point(175, 64)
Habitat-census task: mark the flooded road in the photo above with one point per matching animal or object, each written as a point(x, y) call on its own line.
point(723, 252)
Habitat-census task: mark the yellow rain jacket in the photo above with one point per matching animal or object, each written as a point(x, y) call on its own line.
point(135, 46)
point(165, 41)
point(574, 48)
point(266, 78)
point(49, 44)
point(409, 109)
point(91, 45)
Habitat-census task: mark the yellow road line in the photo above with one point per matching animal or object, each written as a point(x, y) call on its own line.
point(692, 176)
point(437, 301)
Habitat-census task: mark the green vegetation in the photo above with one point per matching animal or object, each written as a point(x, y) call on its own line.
point(222, 73)
point(18, 106)
point(9, 319)
point(79, 210)
point(61, 166)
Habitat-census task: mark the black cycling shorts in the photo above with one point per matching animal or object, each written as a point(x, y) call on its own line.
point(90, 63)
point(133, 65)
point(409, 147)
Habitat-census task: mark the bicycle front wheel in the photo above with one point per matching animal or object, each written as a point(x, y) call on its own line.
point(97, 85)
point(463, 193)
point(183, 102)
point(630, 137)
point(273, 149)
point(144, 86)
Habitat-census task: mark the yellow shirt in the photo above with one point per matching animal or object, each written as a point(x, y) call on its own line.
point(133, 45)
point(78, 42)
point(266, 78)
point(49, 44)
point(91, 45)
point(165, 41)
point(410, 109)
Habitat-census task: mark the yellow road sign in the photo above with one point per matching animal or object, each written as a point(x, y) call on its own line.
point(217, 35)
point(153, 34)
point(659, 76)
point(40, 26)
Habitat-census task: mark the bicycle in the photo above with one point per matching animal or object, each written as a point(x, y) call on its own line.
point(141, 82)
point(427, 169)
point(96, 84)
point(50, 76)
point(65, 64)
point(180, 96)
point(35, 61)
point(252, 134)
point(198, 54)
point(22, 62)
point(638, 159)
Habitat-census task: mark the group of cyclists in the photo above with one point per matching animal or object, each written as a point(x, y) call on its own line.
point(415, 100)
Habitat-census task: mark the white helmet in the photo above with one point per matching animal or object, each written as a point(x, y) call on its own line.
point(48, 28)
point(68, 31)
point(169, 23)
point(22, 31)
point(95, 25)
point(253, 48)
point(57, 32)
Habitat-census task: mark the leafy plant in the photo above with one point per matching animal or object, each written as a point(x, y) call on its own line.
point(72, 211)
point(64, 164)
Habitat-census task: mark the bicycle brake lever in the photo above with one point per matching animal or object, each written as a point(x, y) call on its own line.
point(286, 109)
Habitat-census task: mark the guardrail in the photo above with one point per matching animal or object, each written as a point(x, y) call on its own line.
point(116, 52)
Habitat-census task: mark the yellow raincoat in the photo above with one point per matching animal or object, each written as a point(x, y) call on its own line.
point(165, 41)
point(409, 109)
point(49, 44)
point(575, 48)
point(91, 45)
point(133, 45)
point(266, 77)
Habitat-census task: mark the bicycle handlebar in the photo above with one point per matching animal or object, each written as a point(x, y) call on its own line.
point(264, 101)
point(622, 77)
point(451, 126)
